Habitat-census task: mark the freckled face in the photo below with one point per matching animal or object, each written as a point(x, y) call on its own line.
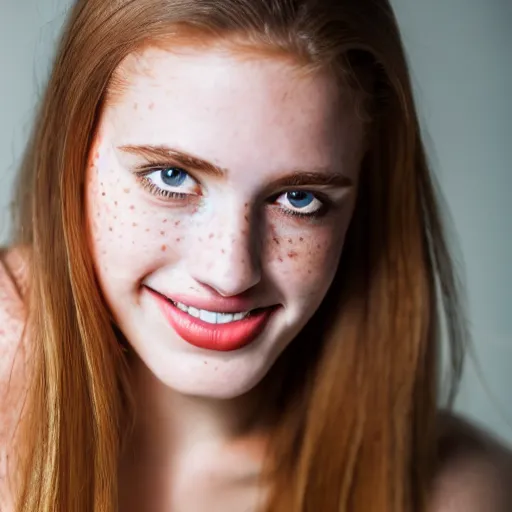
point(262, 221)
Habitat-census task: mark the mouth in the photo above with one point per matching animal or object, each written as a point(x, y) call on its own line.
point(213, 317)
point(214, 330)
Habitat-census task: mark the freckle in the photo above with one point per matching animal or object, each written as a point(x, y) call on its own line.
point(177, 223)
point(115, 203)
point(126, 190)
point(115, 217)
point(301, 239)
point(206, 362)
point(164, 248)
point(132, 207)
point(134, 224)
point(276, 240)
point(200, 239)
point(318, 246)
point(292, 254)
point(110, 228)
point(135, 106)
point(280, 260)
point(223, 251)
point(211, 235)
point(103, 194)
point(290, 241)
point(246, 205)
point(147, 230)
point(309, 271)
point(162, 233)
point(178, 240)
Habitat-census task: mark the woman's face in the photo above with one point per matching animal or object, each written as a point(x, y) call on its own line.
point(218, 198)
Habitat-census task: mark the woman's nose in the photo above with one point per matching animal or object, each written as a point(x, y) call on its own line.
point(228, 257)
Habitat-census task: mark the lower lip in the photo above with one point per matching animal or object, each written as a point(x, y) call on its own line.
point(218, 337)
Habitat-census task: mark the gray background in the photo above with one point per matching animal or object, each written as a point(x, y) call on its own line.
point(460, 60)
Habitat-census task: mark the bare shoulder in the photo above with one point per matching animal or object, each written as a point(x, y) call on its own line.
point(13, 282)
point(475, 472)
point(13, 357)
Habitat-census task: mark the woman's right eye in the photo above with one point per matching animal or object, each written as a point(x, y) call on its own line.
point(169, 182)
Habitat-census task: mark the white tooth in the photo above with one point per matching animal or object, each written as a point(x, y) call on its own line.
point(211, 317)
point(193, 312)
point(208, 316)
point(182, 306)
point(224, 318)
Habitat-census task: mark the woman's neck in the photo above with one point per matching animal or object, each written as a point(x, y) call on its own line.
point(191, 453)
point(170, 425)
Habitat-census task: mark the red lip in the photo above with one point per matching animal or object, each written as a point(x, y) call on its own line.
point(218, 337)
point(219, 304)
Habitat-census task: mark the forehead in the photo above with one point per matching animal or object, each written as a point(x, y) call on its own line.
point(231, 110)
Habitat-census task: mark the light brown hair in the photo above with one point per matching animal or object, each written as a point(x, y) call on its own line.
point(355, 427)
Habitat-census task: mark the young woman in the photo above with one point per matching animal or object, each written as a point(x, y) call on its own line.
point(228, 264)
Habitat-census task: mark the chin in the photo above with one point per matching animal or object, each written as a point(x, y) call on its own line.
point(207, 374)
point(213, 384)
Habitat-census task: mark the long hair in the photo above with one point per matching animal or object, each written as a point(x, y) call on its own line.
point(355, 421)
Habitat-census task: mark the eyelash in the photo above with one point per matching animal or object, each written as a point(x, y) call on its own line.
point(311, 216)
point(157, 191)
point(143, 172)
point(141, 175)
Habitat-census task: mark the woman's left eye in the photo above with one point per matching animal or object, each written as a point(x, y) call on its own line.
point(169, 182)
point(300, 202)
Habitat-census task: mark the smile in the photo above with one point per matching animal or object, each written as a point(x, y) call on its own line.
point(213, 330)
point(211, 317)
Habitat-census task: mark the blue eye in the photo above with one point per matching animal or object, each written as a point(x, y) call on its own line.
point(301, 202)
point(169, 182)
point(300, 198)
point(173, 176)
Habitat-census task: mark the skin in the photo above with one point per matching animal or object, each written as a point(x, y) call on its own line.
point(232, 238)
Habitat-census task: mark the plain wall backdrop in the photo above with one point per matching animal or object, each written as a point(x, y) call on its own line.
point(459, 52)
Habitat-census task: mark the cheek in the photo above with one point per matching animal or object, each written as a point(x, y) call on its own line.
point(306, 259)
point(122, 225)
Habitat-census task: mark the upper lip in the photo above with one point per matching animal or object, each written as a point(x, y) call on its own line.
point(214, 304)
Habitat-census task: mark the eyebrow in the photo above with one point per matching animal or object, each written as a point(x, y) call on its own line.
point(322, 176)
point(297, 178)
point(163, 154)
